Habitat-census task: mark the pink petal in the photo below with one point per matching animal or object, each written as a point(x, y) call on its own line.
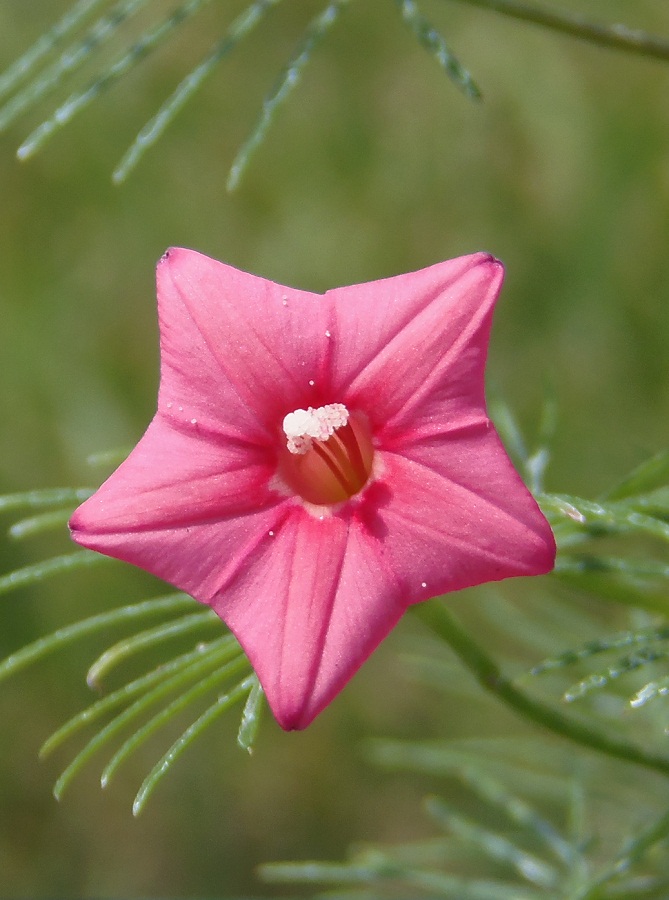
point(308, 599)
point(423, 337)
point(198, 503)
point(237, 349)
point(459, 515)
point(182, 506)
point(314, 603)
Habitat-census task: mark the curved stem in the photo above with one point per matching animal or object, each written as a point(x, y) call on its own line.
point(488, 674)
point(617, 37)
point(633, 853)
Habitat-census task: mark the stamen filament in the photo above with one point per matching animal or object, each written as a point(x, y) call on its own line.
point(328, 453)
point(331, 462)
point(350, 441)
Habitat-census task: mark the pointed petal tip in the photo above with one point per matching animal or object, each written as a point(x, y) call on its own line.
point(289, 721)
point(77, 525)
point(540, 559)
point(294, 703)
point(84, 526)
point(165, 258)
point(482, 258)
point(174, 255)
point(182, 257)
point(495, 266)
point(546, 562)
point(493, 269)
point(294, 716)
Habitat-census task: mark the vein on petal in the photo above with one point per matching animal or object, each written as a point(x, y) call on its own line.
point(319, 640)
point(433, 431)
point(480, 498)
point(190, 519)
point(398, 338)
point(249, 327)
point(235, 564)
point(215, 356)
point(449, 539)
point(413, 401)
point(209, 430)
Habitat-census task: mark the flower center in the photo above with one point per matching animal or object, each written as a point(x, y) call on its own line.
point(328, 455)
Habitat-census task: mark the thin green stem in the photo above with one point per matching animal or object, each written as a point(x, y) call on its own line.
point(153, 129)
point(632, 854)
point(169, 712)
point(47, 521)
point(634, 639)
point(248, 727)
point(41, 498)
point(384, 871)
point(489, 676)
point(71, 59)
point(519, 812)
point(39, 571)
point(616, 518)
point(650, 475)
point(435, 44)
point(224, 702)
point(140, 49)
point(616, 37)
point(117, 724)
point(491, 844)
point(63, 636)
point(287, 81)
point(22, 67)
point(220, 649)
point(117, 654)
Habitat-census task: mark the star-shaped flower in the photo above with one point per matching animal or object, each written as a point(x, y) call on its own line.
point(318, 463)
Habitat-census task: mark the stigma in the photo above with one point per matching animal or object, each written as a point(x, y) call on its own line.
point(328, 453)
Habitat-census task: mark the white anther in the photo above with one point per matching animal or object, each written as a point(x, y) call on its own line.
point(306, 425)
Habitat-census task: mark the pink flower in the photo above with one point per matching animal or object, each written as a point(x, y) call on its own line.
point(319, 463)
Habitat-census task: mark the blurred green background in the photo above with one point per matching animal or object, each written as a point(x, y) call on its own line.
point(377, 165)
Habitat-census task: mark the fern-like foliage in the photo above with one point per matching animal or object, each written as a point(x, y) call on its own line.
point(518, 830)
point(614, 548)
point(637, 509)
point(519, 818)
point(81, 38)
point(201, 667)
point(209, 672)
point(643, 651)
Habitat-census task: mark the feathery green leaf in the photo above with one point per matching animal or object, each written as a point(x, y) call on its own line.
point(287, 81)
point(149, 638)
point(436, 46)
point(37, 572)
point(223, 703)
point(75, 103)
point(24, 65)
point(147, 137)
point(69, 633)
